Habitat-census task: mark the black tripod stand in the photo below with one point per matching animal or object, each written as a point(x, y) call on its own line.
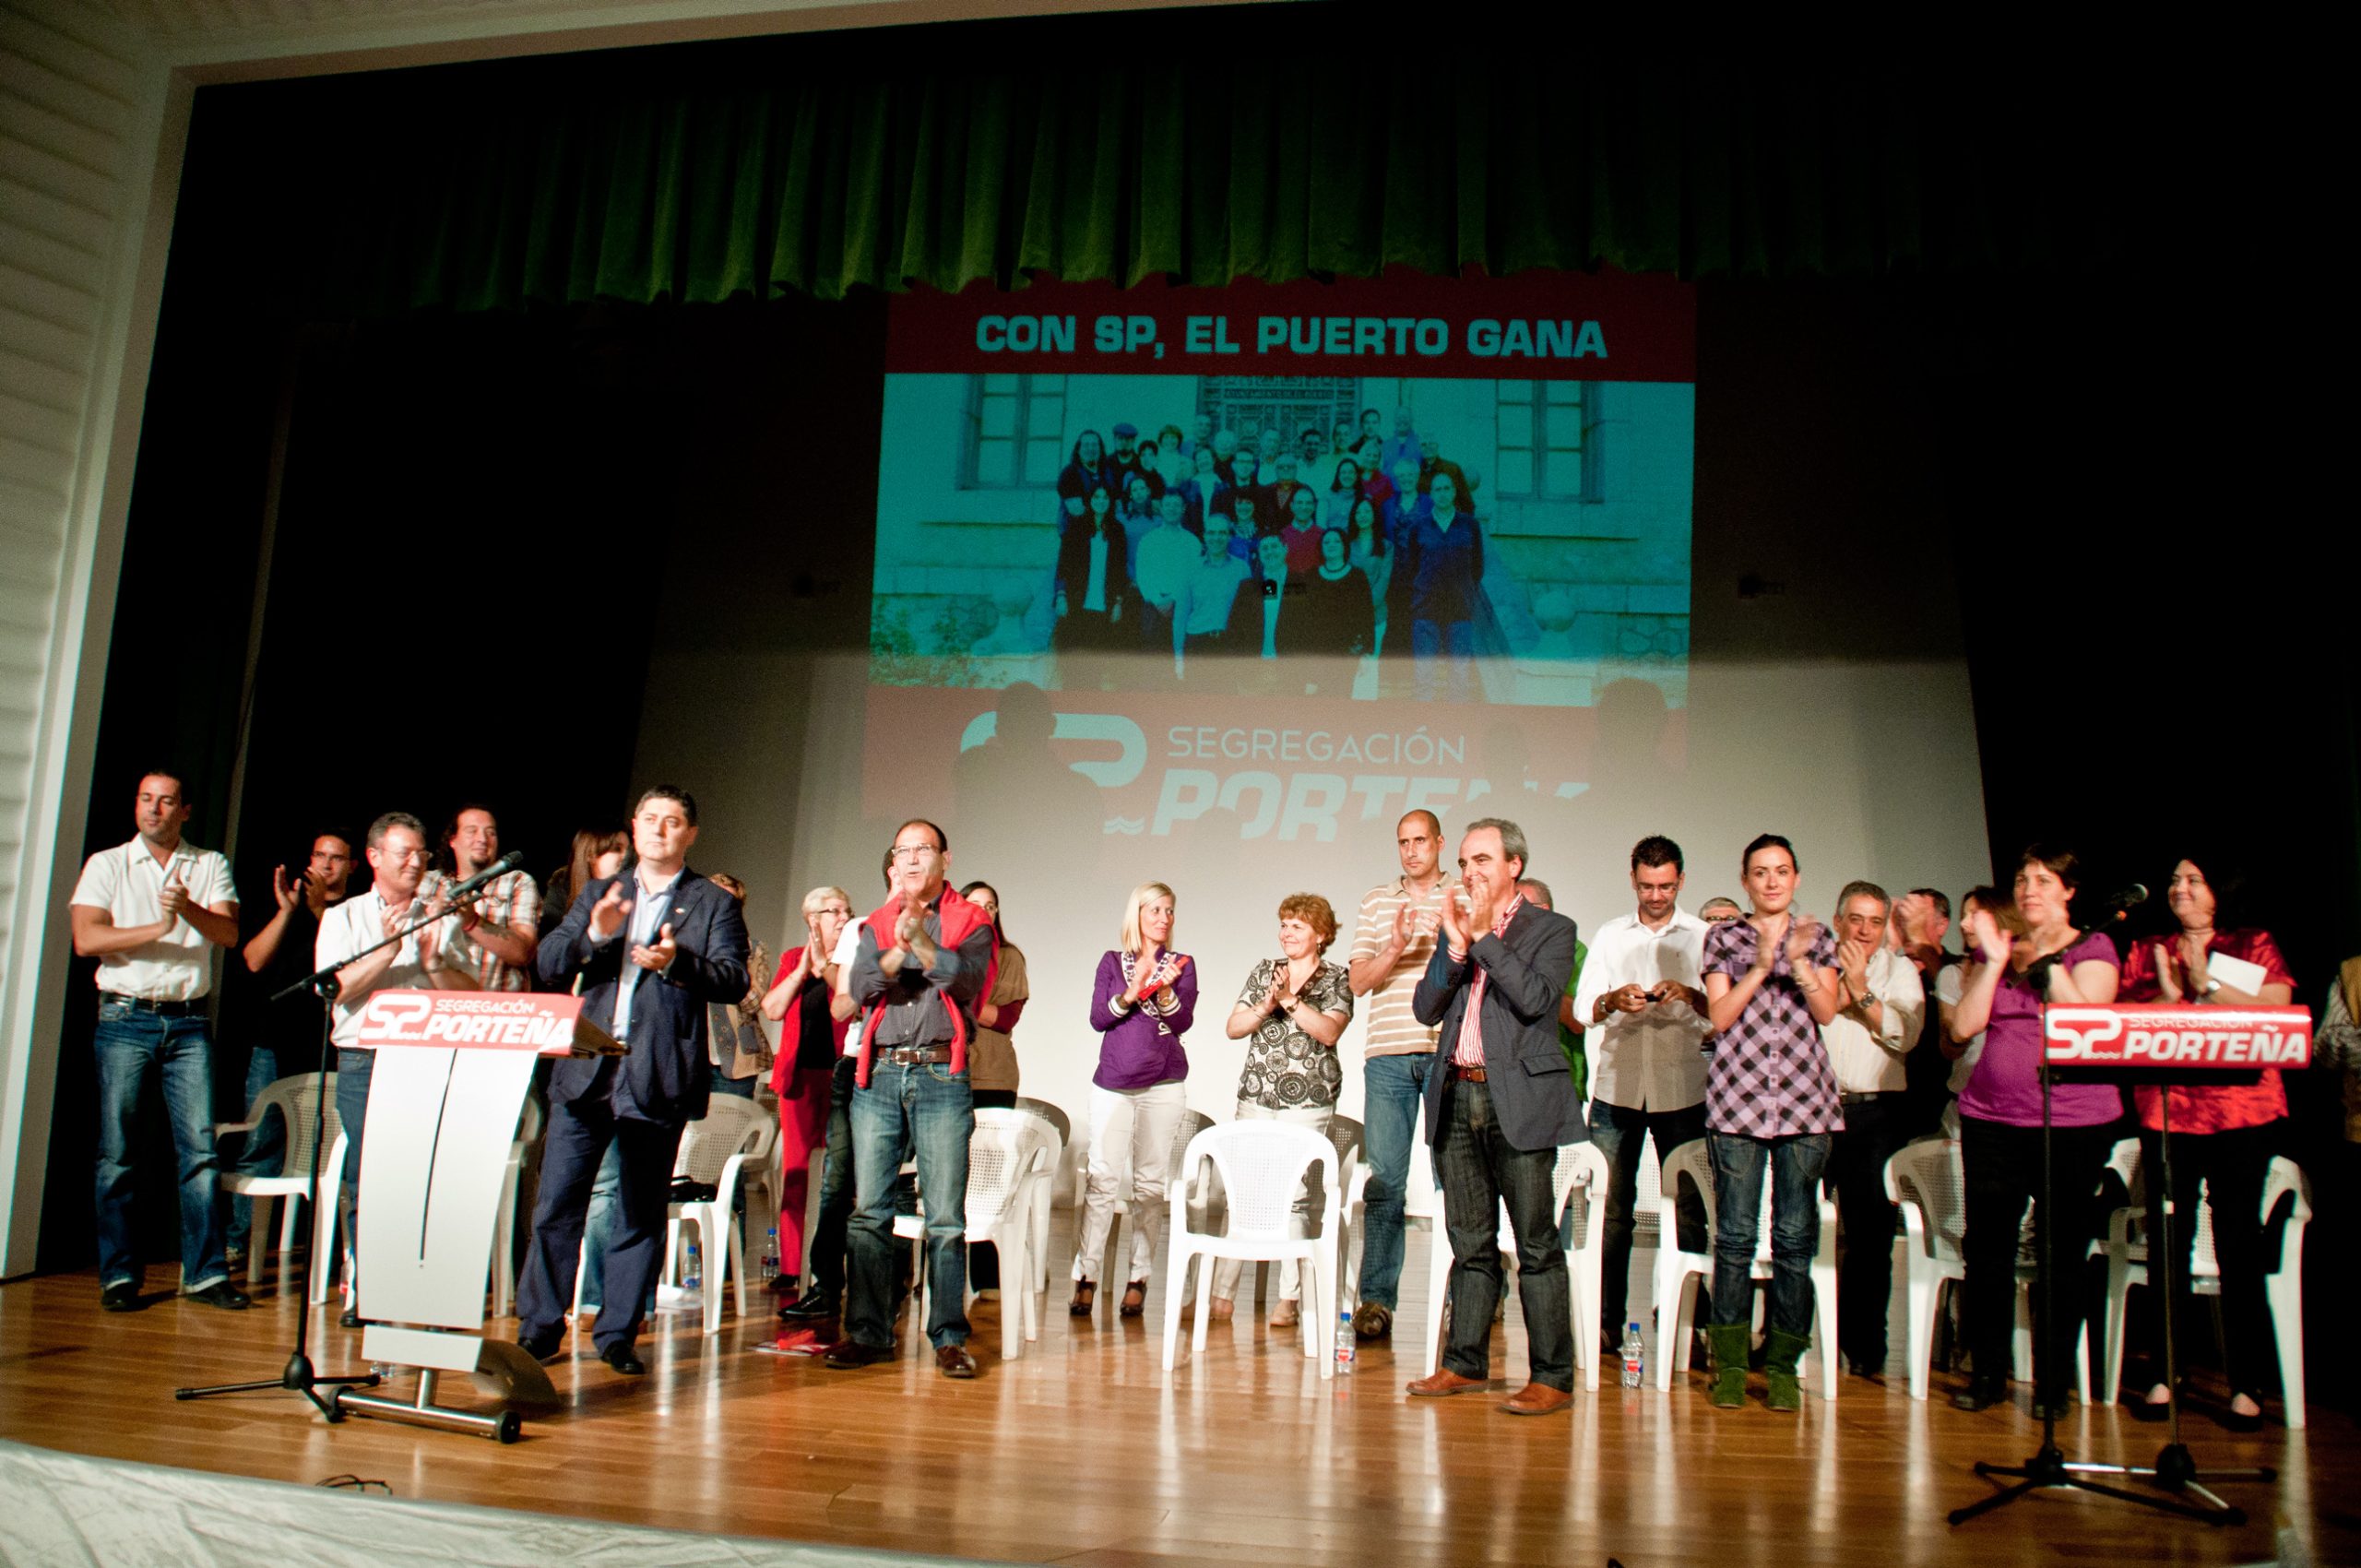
point(2174, 1471)
point(298, 1376)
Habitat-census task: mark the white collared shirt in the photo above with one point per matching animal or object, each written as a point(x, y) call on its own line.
point(1872, 1064)
point(127, 882)
point(1652, 1060)
point(352, 928)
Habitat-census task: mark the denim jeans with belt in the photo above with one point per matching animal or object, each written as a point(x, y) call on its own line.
point(1794, 1164)
point(1480, 1172)
point(133, 1044)
point(924, 1112)
point(1395, 1090)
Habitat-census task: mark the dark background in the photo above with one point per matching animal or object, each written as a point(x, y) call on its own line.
point(479, 515)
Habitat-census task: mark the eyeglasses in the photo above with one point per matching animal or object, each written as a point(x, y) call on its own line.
point(838, 910)
point(913, 851)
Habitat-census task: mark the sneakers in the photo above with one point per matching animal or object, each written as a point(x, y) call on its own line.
point(123, 1296)
point(221, 1294)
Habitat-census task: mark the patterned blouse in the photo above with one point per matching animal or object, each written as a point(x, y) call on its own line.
point(1770, 1077)
point(1286, 1069)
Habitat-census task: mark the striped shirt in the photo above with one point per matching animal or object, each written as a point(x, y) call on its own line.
point(509, 900)
point(1393, 1029)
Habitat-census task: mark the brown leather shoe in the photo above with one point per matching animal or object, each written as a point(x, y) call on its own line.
point(1538, 1399)
point(1446, 1383)
point(953, 1361)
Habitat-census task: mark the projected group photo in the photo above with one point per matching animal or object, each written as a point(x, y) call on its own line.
point(1507, 539)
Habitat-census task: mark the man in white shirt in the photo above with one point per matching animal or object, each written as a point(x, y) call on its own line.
point(151, 911)
point(1880, 1002)
point(398, 859)
point(1392, 942)
point(1161, 567)
point(1643, 1004)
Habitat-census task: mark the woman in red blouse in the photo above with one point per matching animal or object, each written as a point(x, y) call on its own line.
point(2223, 1136)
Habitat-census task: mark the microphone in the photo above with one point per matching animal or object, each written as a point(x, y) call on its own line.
point(516, 858)
point(2119, 907)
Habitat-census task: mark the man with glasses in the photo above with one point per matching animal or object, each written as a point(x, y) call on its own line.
point(151, 911)
point(398, 859)
point(925, 961)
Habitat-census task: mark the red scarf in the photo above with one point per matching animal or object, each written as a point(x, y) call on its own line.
point(960, 921)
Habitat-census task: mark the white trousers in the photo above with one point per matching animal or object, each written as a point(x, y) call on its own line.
point(1226, 1270)
point(1129, 1129)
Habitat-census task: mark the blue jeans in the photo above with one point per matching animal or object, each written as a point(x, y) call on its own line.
point(131, 1046)
point(1395, 1090)
point(1481, 1172)
point(1796, 1164)
point(263, 1151)
point(1430, 638)
point(1620, 1134)
point(353, 1071)
point(928, 1109)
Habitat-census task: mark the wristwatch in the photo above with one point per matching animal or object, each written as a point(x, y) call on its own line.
point(2212, 985)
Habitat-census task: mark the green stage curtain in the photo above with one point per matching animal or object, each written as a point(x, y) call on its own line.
point(1130, 146)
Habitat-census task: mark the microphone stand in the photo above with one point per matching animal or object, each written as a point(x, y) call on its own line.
point(2174, 1471)
point(297, 1375)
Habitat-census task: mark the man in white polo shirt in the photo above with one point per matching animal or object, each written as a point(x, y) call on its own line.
point(151, 911)
point(398, 862)
point(1390, 945)
point(1643, 1005)
point(1879, 1002)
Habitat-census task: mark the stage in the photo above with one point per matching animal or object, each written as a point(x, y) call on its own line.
point(1086, 1452)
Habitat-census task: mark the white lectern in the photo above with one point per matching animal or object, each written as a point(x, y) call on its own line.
point(451, 1074)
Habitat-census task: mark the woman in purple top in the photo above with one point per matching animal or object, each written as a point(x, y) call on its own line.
point(1141, 1006)
point(1771, 1107)
point(2001, 1123)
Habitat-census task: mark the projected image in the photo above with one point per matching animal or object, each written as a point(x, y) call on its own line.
point(1348, 539)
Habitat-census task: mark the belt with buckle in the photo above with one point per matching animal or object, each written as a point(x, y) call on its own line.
point(1467, 1074)
point(163, 1009)
point(917, 1055)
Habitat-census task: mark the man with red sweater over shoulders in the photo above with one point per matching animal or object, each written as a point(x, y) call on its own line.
point(925, 962)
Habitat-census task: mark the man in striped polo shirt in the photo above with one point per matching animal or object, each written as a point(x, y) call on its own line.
point(1391, 946)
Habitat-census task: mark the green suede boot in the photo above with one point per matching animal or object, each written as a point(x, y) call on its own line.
point(1729, 1342)
point(1781, 1352)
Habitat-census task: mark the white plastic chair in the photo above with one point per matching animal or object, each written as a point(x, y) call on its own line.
point(1679, 1275)
point(1011, 1157)
point(299, 1101)
point(503, 1221)
point(2127, 1253)
point(325, 1272)
point(1046, 1193)
point(1260, 1164)
point(1579, 1165)
point(1927, 1180)
point(716, 1149)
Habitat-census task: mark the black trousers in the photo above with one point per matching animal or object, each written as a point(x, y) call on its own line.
point(1873, 1130)
point(2003, 1175)
point(579, 1132)
point(2230, 1165)
point(1480, 1170)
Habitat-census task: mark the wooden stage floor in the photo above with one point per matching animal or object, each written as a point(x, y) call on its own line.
point(1086, 1452)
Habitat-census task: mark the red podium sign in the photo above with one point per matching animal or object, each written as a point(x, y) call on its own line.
point(483, 1020)
point(2133, 1036)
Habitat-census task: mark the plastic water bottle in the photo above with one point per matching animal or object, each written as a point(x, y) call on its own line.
point(770, 1255)
point(1635, 1358)
point(691, 1278)
point(1347, 1344)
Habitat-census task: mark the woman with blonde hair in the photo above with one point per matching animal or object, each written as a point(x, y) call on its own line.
point(1290, 1014)
point(810, 1039)
point(1141, 1004)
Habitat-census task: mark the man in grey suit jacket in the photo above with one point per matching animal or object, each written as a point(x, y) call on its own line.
point(1498, 1106)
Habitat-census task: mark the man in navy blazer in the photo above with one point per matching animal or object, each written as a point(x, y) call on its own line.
point(652, 947)
point(1498, 1106)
